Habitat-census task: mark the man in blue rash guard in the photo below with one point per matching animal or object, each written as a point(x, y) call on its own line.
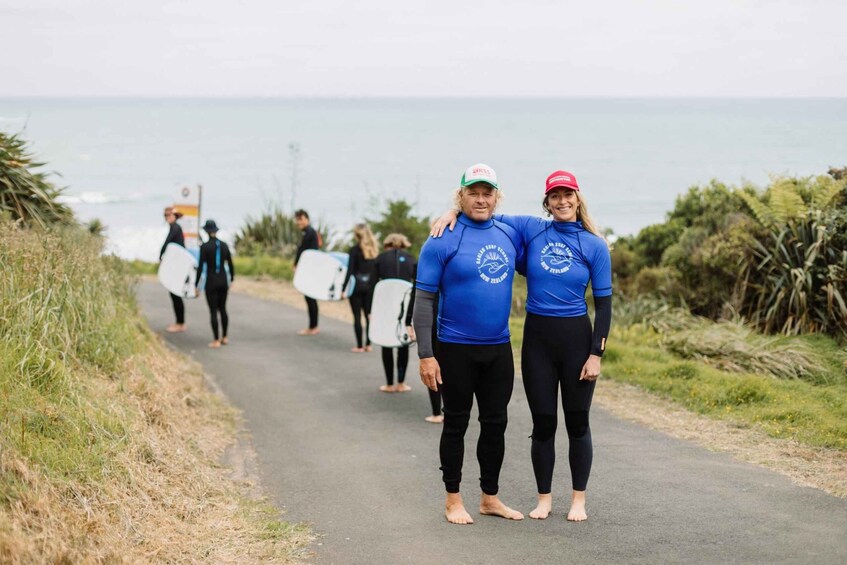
point(560, 349)
point(471, 270)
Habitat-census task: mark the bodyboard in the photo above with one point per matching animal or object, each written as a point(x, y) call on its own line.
point(177, 271)
point(388, 313)
point(319, 275)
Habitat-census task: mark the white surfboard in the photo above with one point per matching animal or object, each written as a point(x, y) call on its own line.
point(178, 270)
point(345, 260)
point(388, 313)
point(319, 275)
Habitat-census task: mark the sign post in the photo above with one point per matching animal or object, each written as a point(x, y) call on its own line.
point(187, 201)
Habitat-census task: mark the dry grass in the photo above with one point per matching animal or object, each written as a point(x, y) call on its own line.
point(163, 498)
point(821, 468)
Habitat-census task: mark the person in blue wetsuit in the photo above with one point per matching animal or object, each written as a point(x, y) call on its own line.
point(560, 348)
point(216, 263)
point(471, 270)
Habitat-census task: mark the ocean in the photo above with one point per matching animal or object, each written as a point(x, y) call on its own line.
point(122, 160)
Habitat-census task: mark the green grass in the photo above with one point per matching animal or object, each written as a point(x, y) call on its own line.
point(57, 330)
point(263, 266)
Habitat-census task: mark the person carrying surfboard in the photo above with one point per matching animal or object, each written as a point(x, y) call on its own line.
point(310, 240)
point(471, 269)
point(174, 236)
point(216, 264)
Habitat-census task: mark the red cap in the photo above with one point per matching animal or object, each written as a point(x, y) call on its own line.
point(561, 179)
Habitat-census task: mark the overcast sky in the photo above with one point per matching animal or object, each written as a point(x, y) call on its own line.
point(423, 48)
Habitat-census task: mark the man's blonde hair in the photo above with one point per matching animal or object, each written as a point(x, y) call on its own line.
point(457, 196)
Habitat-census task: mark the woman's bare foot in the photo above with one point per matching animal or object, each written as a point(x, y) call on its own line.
point(224, 340)
point(402, 387)
point(368, 348)
point(357, 349)
point(309, 331)
point(387, 388)
point(454, 510)
point(435, 419)
point(577, 512)
point(215, 344)
point(545, 505)
point(175, 328)
point(491, 505)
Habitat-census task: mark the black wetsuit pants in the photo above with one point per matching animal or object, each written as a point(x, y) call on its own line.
point(359, 304)
point(388, 363)
point(554, 352)
point(179, 308)
point(216, 299)
point(487, 372)
point(312, 307)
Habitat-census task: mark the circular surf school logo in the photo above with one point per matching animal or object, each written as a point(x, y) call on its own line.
point(492, 264)
point(556, 258)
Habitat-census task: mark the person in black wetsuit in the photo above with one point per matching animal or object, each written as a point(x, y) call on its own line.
point(310, 240)
point(174, 236)
point(216, 262)
point(362, 256)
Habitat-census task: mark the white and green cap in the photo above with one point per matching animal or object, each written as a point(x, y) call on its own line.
point(479, 173)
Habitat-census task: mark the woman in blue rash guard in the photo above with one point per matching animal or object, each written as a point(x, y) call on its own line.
point(560, 348)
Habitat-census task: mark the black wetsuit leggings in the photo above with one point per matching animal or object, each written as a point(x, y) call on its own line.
point(360, 304)
point(388, 363)
point(179, 308)
point(312, 306)
point(487, 372)
point(216, 299)
point(554, 352)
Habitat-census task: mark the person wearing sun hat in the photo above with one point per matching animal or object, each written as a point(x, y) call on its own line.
point(216, 264)
point(471, 270)
point(175, 235)
point(560, 348)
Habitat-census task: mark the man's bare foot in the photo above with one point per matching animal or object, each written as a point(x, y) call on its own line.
point(175, 328)
point(545, 505)
point(387, 388)
point(491, 505)
point(577, 512)
point(435, 419)
point(357, 349)
point(454, 510)
point(224, 340)
point(402, 387)
point(309, 331)
point(215, 344)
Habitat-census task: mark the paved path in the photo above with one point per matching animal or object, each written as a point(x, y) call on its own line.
point(361, 466)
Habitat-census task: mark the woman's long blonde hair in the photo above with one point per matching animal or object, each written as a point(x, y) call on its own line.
point(581, 214)
point(366, 241)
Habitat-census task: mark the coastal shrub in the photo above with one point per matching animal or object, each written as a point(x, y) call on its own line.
point(25, 193)
point(273, 233)
point(398, 218)
point(799, 281)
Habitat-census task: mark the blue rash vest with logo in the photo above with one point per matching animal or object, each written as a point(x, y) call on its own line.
point(560, 259)
point(472, 269)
